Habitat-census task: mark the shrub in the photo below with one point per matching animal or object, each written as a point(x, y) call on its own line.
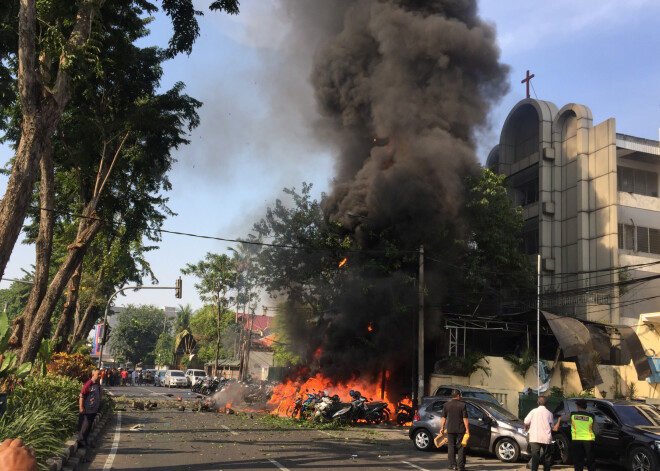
point(43, 411)
point(75, 365)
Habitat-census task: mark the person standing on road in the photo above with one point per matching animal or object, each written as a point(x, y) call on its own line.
point(538, 424)
point(454, 422)
point(582, 436)
point(124, 376)
point(89, 402)
point(134, 375)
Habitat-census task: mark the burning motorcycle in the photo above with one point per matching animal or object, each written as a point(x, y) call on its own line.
point(404, 413)
point(361, 409)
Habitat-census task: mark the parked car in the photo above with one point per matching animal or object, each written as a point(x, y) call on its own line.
point(159, 377)
point(191, 375)
point(175, 378)
point(492, 428)
point(627, 432)
point(466, 391)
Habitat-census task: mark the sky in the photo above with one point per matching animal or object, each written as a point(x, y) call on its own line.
point(256, 137)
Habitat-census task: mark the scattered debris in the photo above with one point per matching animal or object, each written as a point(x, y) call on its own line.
point(182, 407)
point(136, 428)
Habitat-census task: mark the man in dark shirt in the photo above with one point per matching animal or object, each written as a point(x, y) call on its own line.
point(455, 423)
point(89, 403)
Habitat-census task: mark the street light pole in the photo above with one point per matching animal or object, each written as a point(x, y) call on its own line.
point(177, 288)
point(420, 340)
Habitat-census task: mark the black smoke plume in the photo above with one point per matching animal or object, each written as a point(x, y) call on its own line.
point(401, 87)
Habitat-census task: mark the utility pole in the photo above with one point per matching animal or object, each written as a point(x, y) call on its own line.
point(420, 340)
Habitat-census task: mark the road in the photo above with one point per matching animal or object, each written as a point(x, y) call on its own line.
point(170, 439)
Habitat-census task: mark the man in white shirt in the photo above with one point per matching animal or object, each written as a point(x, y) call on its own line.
point(538, 424)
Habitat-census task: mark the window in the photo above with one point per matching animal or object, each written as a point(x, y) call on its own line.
point(473, 412)
point(641, 182)
point(437, 406)
point(639, 239)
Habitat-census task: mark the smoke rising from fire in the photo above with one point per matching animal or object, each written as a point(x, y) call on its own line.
point(401, 87)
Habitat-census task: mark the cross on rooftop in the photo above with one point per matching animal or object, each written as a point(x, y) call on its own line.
point(527, 80)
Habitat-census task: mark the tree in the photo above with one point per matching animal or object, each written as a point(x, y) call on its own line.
point(302, 260)
point(69, 103)
point(183, 316)
point(137, 332)
point(217, 277)
point(54, 45)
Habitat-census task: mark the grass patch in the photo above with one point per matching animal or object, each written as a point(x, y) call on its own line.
point(284, 423)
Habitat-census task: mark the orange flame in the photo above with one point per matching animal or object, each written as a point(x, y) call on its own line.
point(370, 327)
point(285, 394)
point(343, 262)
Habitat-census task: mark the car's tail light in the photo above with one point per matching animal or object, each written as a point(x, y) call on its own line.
point(416, 418)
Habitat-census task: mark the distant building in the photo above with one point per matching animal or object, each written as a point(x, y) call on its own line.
point(591, 209)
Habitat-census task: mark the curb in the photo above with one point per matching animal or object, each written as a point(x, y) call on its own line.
point(71, 454)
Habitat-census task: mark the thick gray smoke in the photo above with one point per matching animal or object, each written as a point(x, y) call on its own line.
point(401, 87)
point(420, 76)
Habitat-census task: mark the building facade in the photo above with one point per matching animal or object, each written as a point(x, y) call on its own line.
point(591, 209)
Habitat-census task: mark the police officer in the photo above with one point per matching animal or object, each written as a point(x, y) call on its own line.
point(583, 436)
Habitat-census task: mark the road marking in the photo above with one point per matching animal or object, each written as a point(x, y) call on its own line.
point(228, 430)
point(414, 465)
point(115, 444)
point(278, 465)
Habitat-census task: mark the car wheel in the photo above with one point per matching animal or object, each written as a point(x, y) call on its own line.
point(564, 449)
point(641, 459)
point(423, 440)
point(507, 450)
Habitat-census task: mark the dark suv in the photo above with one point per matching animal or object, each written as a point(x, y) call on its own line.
point(627, 432)
point(466, 391)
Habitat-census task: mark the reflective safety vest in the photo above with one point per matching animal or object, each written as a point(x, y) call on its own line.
point(582, 426)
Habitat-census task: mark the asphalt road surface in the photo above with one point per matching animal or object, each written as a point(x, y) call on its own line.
point(169, 439)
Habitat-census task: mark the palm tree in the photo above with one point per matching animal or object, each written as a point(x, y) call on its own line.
point(182, 321)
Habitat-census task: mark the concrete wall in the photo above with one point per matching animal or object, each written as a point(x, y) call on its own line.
point(506, 385)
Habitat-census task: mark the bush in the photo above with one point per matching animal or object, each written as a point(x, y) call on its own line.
point(43, 411)
point(75, 365)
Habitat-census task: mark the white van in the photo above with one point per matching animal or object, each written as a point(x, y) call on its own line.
point(191, 375)
point(175, 378)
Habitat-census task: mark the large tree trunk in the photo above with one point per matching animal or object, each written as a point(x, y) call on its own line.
point(76, 253)
point(43, 247)
point(42, 108)
point(60, 337)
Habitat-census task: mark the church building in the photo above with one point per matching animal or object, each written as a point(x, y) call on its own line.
point(591, 209)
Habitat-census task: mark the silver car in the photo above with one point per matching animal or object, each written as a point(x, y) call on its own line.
point(175, 378)
point(492, 428)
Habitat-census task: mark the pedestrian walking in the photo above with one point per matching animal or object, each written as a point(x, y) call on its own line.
point(582, 436)
point(454, 422)
point(539, 424)
point(89, 402)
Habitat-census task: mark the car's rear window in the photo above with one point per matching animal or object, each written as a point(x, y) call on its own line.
point(480, 395)
point(199, 373)
point(176, 373)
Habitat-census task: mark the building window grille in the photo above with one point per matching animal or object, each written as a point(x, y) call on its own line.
point(641, 182)
point(639, 239)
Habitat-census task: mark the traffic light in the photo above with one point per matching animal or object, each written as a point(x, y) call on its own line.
point(105, 334)
point(178, 288)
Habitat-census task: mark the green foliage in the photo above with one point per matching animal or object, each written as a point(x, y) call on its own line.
point(286, 423)
point(464, 366)
point(14, 299)
point(632, 390)
point(494, 267)
point(203, 326)
point(10, 372)
point(308, 276)
point(556, 391)
point(521, 365)
point(586, 392)
point(137, 331)
point(43, 411)
point(163, 353)
point(44, 355)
